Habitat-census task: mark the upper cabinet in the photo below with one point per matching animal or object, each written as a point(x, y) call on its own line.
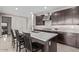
point(39, 20)
point(66, 17)
point(75, 15)
point(60, 17)
point(54, 19)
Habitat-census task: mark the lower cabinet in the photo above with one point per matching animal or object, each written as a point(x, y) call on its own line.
point(60, 38)
point(77, 41)
point(53, 45)
point(70, 39)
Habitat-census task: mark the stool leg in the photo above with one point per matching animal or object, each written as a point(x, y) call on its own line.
point(16, 46)
point(19, 48)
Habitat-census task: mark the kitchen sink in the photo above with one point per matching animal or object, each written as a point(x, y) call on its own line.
point(36, 31)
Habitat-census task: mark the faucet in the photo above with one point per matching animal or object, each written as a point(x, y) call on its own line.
point(56, 28)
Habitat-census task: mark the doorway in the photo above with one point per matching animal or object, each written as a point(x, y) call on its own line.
point(6, 27)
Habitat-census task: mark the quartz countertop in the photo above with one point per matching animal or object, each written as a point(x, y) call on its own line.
point(43, 36)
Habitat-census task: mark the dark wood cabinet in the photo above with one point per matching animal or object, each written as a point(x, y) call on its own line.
point(67, 38)
point(53, 45)
point(63, 17)
point(77, 41)
point(39, 20)
point(57, 18)
point(75, 15)
point(60, 38)
point(60, 17)
point(66, 17)
point(54, 19)
point(70, 39)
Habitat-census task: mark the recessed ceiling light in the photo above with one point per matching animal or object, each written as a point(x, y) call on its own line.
point(56, 14)
point(16, 8)
point(45, 7)
point(31, 12)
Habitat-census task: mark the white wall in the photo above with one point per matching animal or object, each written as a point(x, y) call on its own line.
point(48, 23)
point(31, 22)
point(19, 23)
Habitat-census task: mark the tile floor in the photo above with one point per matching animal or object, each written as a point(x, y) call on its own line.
point(65, 48)
point(6, 46)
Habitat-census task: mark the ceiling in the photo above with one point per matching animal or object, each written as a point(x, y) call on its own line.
point(27, 10)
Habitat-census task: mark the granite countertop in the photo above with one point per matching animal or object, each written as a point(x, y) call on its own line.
point(44, 36)
point(68, 30)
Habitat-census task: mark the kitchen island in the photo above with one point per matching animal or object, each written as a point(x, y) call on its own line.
point(47, 39)
point(65, 36)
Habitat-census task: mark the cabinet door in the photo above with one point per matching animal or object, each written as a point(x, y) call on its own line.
point(76, 15)
point(53, 45)
point(60, 17)
point(70, 39)
point(68, 16)
point(77, 41)
point(60, 38)
point(54, 19)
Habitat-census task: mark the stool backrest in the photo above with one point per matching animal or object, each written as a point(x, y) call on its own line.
point(12, 34)
point(17, 34)
point(28, 42)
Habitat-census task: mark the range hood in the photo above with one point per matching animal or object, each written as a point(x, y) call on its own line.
point(46, 17)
